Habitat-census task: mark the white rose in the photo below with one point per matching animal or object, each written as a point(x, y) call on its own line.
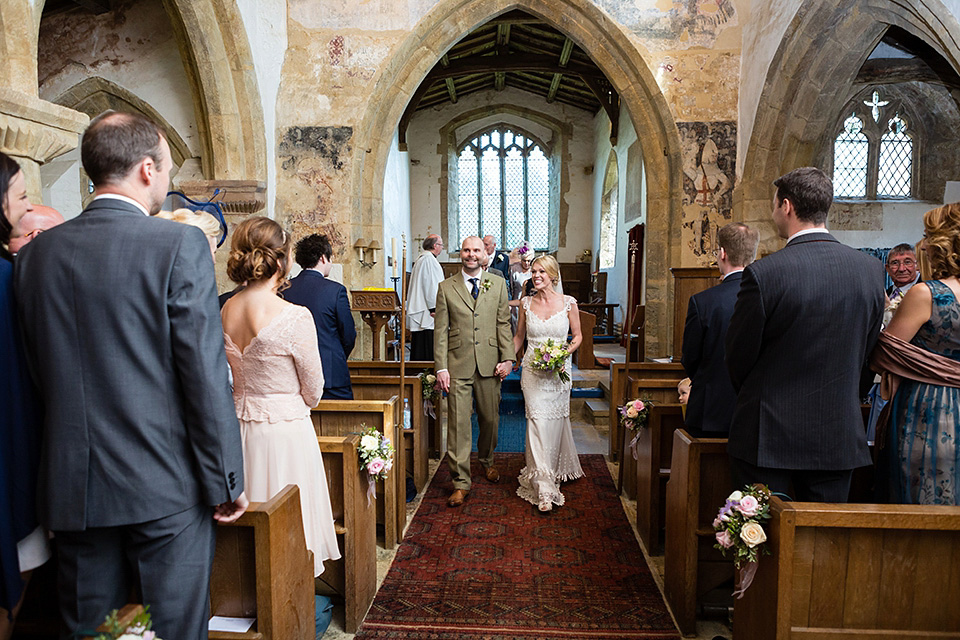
point(735, 496)
point(368, 442)
point(431, 379)
point(752, 534)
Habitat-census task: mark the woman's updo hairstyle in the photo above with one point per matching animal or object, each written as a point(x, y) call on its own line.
point(942, 238)
point(550, 265)
point(259, 249)
point(8, 171)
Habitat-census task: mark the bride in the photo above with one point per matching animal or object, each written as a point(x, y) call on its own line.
point(551, 455)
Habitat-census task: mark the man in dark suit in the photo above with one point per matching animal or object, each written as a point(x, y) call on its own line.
point(497, 259)
point(328, 302)
point(903, 270)
point(805, 320)
point(141, 448)
point(712, 397)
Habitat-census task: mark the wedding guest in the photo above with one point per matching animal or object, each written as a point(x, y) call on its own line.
point(199, 219)
point(903, 270)
point(683, 391)
point(272, 348)
point(920, 350)
point(32, 224)
point(425, 278)
point(23, 543)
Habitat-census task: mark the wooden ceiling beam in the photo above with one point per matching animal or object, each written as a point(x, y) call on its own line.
point(451, 90)
point(491, 64)
point(895, 70)
point(564, 60)
point(554, 85)
point(503, 35)
point(610, 101)
point(499, 80)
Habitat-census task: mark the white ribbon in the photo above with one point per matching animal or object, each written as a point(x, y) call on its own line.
point(745, 577)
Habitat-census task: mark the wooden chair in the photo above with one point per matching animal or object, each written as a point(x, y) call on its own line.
point(618, 386)
point(855, 571)
point(382, 387)
point(699, 485)
point(583, 357)
point(414, 367)
point(346, 417)
point(654, 452)
point(354, 575)
point(262, 569)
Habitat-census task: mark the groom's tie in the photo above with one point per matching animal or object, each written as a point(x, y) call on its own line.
point(475, 291)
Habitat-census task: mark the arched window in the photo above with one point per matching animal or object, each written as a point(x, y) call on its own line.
point(503, 177)
point(609, 213)
point(873, 152)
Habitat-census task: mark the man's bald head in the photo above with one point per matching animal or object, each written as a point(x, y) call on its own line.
point(33, 222)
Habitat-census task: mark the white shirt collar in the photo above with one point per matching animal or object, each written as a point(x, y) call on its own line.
point(804, 232)
point(730, 273)
point(466, 278)
point(117, 196)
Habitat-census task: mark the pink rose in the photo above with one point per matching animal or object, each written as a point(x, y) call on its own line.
point(748, 506)
point(375, 466)
point(717, 522)
point(723, 537)
point(638, 405)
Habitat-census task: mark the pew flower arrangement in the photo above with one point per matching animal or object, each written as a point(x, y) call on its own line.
point(139, 627)
point(430, 389)
point(633, 417)
point(551, 356)
point(739, 530)
point(376, 453)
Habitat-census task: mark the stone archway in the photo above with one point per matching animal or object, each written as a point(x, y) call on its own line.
point(808, 81)
point(612, 50)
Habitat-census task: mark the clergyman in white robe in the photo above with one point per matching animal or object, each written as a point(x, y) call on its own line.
point(425, 277)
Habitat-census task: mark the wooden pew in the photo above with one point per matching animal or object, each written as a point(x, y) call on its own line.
point(414, 440)
point(412, 368)
point(346, 417)
point(618, 382)
point(654, 452)
point(262, 569)
point(699, 484)
point(862, 571)
point(354, 575)
point(583, 357)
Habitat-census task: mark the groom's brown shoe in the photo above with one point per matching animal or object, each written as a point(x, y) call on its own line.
point(457, 497)
point(492, 474)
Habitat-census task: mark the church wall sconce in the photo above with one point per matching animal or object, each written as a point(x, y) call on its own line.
point(367, 252)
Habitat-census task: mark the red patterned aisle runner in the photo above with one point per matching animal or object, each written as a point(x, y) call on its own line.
point(496, 568)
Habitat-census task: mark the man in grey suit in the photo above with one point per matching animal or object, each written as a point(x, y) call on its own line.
point(141, 447)
point(805, 320)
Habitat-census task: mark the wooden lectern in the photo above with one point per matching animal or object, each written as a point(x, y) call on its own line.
point(376, 307)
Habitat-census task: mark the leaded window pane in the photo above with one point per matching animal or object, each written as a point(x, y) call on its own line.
point(538, 197)
point(467, 168)
point(490, 214)
point(850, 153)
point(896, 162)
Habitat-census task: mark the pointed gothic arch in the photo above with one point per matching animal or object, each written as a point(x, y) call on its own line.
point(809, 79)
point(617, 56)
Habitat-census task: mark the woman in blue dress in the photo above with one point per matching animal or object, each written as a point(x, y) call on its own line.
point(922, 459)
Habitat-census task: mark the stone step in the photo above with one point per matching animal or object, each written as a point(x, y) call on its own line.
point(607, 393)
point(596, 411)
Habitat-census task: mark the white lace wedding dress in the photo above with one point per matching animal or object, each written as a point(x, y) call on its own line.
point(551, 455)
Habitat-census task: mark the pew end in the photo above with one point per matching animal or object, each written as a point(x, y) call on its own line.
point(699, 484)
point(262, 569)
point(855, 571)
point(354, 576)
point(652, 470)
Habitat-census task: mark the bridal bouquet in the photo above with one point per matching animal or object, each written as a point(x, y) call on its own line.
point(551, 356)
point(633, 415)
point(739, 530)
point(376, 453)
point(139, 627)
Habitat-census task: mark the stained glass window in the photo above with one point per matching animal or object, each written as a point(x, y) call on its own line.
point(850, 160)
point(896, 161)
point(873, 153)
point(504, 188)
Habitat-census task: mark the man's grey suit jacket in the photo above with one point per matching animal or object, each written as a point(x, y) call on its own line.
point(805, 320)
point(123, 335)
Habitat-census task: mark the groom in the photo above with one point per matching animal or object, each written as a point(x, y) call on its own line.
point(473, 350)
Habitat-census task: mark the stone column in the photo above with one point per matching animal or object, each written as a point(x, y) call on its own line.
point(34, 131)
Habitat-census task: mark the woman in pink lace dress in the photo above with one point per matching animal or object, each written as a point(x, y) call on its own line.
point(272, 350)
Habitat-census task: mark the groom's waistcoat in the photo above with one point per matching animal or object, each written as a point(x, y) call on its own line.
point(472, 335)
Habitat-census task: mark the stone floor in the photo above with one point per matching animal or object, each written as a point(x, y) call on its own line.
point(589, 440)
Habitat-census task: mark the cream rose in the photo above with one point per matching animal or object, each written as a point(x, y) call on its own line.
point(368, 442)
point(752, 534)
point(431, 378)
point(631, 412)
point(735, 496)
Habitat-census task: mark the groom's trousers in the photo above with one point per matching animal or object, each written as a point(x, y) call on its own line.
point(463, 391)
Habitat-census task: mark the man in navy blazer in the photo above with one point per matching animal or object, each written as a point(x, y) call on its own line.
point(712, 397)
point(328, 302)
point(141, 447)
point(805, 321)
point(497, 260)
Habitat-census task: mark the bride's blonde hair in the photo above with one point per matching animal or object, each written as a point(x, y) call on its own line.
point(550, 265)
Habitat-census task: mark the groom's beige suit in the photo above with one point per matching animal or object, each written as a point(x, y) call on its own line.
point(470, 338)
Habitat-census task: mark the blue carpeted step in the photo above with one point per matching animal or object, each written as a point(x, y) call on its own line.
point(586, 392)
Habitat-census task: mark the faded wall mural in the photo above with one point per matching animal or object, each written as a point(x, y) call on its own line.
point(686, 24)
point(709, 164)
